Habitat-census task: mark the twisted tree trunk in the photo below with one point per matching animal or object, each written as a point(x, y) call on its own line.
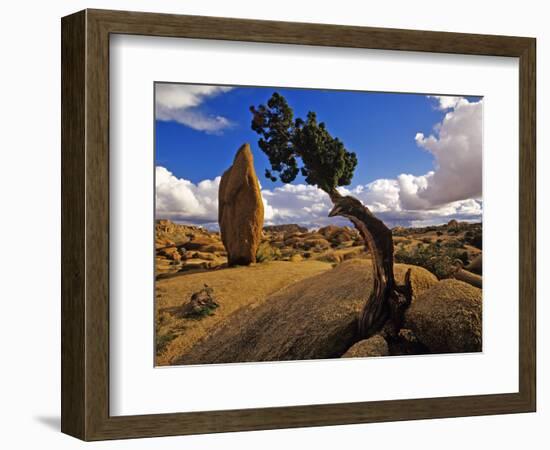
point(387, 301)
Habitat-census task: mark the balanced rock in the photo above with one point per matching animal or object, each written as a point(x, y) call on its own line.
point(447, 317)
point(240, 209)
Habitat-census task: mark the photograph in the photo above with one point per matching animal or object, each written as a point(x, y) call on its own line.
point(271, 225)
point(301, 223)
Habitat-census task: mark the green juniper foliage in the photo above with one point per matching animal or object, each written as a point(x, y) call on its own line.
point(296, 146)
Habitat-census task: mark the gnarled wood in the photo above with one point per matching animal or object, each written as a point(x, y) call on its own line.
point(387, 300)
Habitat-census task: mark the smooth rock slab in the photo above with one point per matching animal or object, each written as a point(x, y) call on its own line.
point(315, 318)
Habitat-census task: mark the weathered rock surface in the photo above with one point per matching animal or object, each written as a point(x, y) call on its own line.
point(169, 233)
point(201, 304)
point(452, 224)
point(405, 343)
point(287, 228)
point(373, 346)
point(199, 242)
point(241, 210)
point(311, 319)
point(447, 317)
point(339, 235)
point(469, 277)
point(171, 253)
point(476, 266)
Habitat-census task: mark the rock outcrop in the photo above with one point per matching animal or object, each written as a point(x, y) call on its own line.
point(469, 277)
point(447, 317)
point(241, 210)
point(288, 228)
point(476, 266)
point(406, 343)
point(183, 248)
point(338, 235)
point(171, 253)
point(373, 346)
point(315, 318)
point(452, 225)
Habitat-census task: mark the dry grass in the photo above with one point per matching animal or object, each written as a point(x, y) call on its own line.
point(234, 288)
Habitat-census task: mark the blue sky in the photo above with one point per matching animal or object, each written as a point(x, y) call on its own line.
point(198, 129)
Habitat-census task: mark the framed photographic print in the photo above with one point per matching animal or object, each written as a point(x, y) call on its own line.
point(271, 225)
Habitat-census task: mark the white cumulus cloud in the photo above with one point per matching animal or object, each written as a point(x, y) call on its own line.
point(180, 103)
point(446, 101)
point(452, 190)
point(181, 200)
point(456, 146)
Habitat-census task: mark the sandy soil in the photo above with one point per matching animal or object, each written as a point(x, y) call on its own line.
point(234, 288)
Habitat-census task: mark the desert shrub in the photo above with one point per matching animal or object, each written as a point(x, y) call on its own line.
point(399, 231)
point(358, 252)
point(439, 233)
point(162, 341)
point(267, 252)
point(426, 240)
point(317, 244)
point(453, 243)
point(203, 311)
point(441, 261)
point(295, 241)
point(201, 304)
point(474, 238)
point(331, 257)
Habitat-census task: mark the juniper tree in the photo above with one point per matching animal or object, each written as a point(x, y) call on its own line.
point(296, 146)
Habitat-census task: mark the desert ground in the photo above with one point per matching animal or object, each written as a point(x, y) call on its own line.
point(303, 295)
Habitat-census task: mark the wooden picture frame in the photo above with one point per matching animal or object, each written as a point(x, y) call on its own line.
point(85, 224)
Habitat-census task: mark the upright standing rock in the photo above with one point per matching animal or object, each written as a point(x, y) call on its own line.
point(240, 209)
